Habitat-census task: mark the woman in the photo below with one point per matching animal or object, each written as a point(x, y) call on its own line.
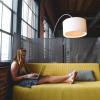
point(19, 74)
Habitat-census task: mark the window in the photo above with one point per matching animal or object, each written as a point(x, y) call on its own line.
point(6, 19)
point(29, 22)
point(5, 47)
point(24, 12)
point(24, 29)
point(47, 30)
point(5, 29)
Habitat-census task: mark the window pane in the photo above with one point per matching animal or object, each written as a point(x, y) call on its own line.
point(0, 41)
point(0, 14)
point(24, 29)
point(25, 12)
point(36, 23)
point(36, 9)
point(6, 47)
point(50, 33)
point(33, 33)
point(30, 3)
point(33, 6)
point(8, 3)
point(30, 17)
point(6, 20)
point(29, 32)
point(33, 20)
point(26, 1)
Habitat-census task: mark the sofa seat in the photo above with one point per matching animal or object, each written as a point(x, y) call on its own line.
point(63, 91)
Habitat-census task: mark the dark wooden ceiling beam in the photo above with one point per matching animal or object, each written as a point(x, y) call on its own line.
point(72, 5)
point(66, 4)
point(50, 11)
point(88, 5)
point(80, 4)
point(95, 5)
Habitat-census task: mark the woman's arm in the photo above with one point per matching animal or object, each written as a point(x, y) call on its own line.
point(14, 70)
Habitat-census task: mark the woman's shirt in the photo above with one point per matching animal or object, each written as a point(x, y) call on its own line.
point(21, 71)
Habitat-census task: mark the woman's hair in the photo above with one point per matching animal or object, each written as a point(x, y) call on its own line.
point(19, 54)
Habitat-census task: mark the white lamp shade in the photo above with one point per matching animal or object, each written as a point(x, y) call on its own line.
point(74, 27)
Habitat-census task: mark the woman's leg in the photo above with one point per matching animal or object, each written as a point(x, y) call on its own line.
point(58, 79)
point(52, 79)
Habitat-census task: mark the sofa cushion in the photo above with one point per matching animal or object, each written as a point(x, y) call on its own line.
point(85, 75)
point(63, 91)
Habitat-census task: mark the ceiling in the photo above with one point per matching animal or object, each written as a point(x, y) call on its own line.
point(89, 9)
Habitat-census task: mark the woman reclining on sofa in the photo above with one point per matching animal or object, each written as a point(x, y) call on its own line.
point(19, 74)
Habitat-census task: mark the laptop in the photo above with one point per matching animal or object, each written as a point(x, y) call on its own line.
point(37, 75)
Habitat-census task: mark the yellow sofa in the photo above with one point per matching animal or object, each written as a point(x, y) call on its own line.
point(61, 91)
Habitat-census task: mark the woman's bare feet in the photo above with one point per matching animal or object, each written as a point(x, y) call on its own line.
point(71, 77)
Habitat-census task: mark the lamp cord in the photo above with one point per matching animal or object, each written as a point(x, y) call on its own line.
point(59, 20)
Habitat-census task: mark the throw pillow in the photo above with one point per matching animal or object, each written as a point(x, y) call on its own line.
point(85, 75)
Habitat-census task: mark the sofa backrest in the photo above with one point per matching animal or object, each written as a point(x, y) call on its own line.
point(63, 68)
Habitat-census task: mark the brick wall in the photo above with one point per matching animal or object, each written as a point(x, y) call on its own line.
point(3, 82)
point(42, 14)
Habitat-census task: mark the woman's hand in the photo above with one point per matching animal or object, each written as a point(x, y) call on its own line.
point(28, 75)
point(31, 75)
point(36, 74)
